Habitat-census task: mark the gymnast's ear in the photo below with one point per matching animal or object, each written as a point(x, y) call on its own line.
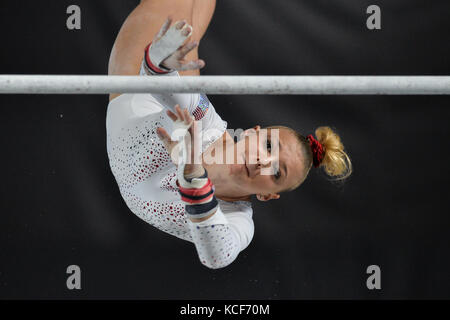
point(267, 197)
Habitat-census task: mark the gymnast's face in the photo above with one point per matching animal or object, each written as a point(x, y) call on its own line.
point(268, 161)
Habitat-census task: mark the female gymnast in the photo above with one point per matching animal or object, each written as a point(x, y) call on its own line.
point(206, 202)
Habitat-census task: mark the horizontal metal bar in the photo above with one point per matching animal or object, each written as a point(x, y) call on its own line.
point(267, 85)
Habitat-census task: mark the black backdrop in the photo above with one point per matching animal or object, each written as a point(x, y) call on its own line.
point(60, 204)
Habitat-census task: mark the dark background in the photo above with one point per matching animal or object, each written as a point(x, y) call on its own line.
point(60, 204)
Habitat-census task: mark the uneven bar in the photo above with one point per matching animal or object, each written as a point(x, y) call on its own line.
point(267, 85)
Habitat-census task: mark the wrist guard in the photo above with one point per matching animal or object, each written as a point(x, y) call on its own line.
point(150, 67)
point(198, 195)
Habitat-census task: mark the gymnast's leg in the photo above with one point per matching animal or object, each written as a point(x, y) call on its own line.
point(144, 22)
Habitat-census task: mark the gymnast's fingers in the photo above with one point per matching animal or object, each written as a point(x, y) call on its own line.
point(184, 50)
point(187, 117)
point(164, 136)
point(180, 24)
point(187, 31)
point(179, 112)
point(165, 27)
point(172, 115)
point(192, 65)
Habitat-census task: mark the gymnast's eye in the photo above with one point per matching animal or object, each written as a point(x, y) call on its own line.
point(278, 174)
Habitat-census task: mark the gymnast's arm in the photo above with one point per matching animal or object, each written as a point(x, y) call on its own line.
point(221, 237)
point(218, 237)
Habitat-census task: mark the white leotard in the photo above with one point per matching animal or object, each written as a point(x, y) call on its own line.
point(146, 175)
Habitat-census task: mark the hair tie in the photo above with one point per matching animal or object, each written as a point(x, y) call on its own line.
point(317, 150)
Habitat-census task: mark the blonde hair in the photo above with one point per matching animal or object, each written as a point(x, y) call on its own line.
point(336, 163)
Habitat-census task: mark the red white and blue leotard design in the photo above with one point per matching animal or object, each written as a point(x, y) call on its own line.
point(147, 178)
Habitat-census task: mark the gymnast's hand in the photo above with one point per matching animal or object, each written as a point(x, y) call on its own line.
point(182, 118)
point(167, 49)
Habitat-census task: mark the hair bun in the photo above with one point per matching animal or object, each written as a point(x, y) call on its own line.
point(335, 160)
